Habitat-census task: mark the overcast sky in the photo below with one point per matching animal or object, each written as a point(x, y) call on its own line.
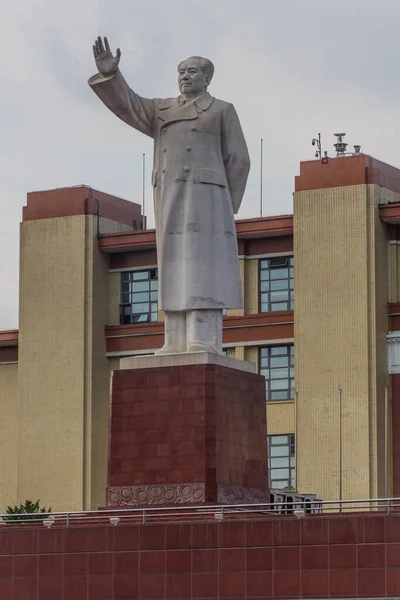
point(292, 68)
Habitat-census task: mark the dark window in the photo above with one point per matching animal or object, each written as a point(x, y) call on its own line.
point(276, 363)
point(225, 351)
point(281, 462)
point(276, 284)
point(139, 296)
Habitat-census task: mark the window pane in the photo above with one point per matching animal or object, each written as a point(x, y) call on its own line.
point(279, 473)
point(279, 374)
point(278, 261)
point(279, 296)
point(279, 273)
point(280, 395)
point(279, 361)
point(140, 297)
point(264, 286)
point(264, 275)
point(280, 284)
point(276, 452)
point(154, 284)
point(154, 295)
point(279, 484)
point(140, 286)
point(140, 275)
point(279, 384)
point(274, 350)
point(140, 308)
point(280, 462)
point(281, 306)
point(140, 318)
point(277, 440)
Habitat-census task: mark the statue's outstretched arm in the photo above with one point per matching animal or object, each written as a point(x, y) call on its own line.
point(115, 93)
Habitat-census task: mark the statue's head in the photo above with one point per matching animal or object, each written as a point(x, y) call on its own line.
point(194, 75)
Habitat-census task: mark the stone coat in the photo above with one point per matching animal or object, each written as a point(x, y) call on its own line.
point(201, 164)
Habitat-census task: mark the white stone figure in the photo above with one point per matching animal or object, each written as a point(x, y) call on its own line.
point(201, 164)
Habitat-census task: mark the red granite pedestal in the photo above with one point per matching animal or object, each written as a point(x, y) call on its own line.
point(187, 429)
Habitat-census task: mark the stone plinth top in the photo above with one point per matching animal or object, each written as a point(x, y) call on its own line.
point(187, 358)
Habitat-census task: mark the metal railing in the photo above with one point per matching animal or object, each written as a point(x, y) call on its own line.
point(205, 513)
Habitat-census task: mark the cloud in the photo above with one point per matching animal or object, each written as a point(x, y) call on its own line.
point(291, 68)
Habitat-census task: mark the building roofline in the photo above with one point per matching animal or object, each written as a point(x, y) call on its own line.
point(258, 227)
point(80, 200)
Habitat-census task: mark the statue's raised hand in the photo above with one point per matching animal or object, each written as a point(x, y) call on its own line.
point(106, 63)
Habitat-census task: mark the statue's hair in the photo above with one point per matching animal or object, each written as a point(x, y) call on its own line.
point(206, 65)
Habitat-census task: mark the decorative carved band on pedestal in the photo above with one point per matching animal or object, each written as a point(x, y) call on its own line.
point(172, 493)
point(181, 493)
point(236, 494)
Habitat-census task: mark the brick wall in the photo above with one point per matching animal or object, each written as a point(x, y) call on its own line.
point(318, 557)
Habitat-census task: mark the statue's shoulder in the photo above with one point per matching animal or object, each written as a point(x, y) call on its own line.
point(221, 105)
point(222, 102)
point(210, 102)
point(164, 103)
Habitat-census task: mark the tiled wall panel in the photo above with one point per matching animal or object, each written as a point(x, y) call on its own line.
point(318, 557)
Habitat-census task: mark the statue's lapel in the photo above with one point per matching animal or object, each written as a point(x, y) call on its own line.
point(170, 109)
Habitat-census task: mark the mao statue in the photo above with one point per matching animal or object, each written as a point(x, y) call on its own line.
point(201, 164)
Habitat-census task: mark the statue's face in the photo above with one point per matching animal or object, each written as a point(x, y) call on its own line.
point(191, 78)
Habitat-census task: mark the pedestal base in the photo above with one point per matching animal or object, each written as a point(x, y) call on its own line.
point(187, 429)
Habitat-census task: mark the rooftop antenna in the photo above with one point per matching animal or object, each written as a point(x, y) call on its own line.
point(341, 146)
point(318, 154)
point(317, 142)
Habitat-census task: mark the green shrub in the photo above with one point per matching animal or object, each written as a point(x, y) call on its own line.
point(29, 511)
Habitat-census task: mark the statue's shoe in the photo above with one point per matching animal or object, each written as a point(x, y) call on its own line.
point(168, 349)
point(199, 347)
